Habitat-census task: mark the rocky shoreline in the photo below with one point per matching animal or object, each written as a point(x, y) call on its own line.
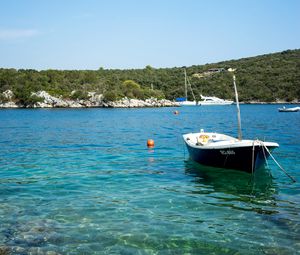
point(94, 101)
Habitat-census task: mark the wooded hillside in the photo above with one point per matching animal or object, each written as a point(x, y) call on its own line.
point(266, 78)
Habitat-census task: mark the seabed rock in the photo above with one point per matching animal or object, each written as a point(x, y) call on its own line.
point(33, 238)
point(4, 250)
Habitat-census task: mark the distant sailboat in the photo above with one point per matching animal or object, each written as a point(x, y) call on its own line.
point(185, 101)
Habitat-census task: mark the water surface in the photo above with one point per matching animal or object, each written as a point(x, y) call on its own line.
point(82, 181)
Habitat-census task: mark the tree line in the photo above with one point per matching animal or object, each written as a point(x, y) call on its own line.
point(265, 78)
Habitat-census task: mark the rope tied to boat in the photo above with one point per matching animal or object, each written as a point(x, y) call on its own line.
point(280, 167)
point(265, 157)
point(253, 149)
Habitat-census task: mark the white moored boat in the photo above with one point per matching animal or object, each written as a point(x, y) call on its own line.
point(213, 101)
point(219, 150)
point(292, 109)
point(188, 103)
point(223, 151)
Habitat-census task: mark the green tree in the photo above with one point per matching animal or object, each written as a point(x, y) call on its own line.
point(111, 95)
point(131, 89)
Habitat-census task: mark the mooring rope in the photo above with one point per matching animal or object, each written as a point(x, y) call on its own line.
point(280, 167)
point(265, 157)
point(253, 149)
point(184, 147)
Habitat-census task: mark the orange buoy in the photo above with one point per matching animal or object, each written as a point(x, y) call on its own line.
point(150, 143)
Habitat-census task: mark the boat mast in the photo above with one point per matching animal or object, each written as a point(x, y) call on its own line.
point(238, 110)
point(189, 83)
point(185, 85)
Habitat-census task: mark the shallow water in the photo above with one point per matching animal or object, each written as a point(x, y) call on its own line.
point(82, 181)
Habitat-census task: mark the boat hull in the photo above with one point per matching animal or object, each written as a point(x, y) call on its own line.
point(188, 103)
point(215, 103)
point(294, 109)
point(239, 158)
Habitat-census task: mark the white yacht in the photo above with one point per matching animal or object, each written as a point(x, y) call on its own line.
point(213, 101)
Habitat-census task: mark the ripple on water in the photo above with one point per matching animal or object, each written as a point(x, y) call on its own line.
point(84, 182)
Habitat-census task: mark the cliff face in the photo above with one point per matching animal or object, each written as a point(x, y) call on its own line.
point(44, 100)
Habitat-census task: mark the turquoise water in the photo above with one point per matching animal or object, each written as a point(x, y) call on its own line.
point(82, 181)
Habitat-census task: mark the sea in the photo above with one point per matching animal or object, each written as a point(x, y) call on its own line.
point(83, 181)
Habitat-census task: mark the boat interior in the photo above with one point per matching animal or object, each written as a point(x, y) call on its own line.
point(204, 138)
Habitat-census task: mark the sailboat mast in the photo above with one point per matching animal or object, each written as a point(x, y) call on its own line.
point(189, 83)
point(238, 110)
point(185, 84)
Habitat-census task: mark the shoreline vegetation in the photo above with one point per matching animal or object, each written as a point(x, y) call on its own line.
point(97, 101)
point(271, 78)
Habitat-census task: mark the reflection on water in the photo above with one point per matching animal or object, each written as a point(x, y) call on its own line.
point(255, 191)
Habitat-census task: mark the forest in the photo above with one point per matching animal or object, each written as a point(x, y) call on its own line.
point(264, 78)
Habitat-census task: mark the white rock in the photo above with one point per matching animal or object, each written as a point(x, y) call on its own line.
point(133, 103)
point(42, 105)
point(9, 105)
point(8, 94)
point(94, 97)
point(74, 104)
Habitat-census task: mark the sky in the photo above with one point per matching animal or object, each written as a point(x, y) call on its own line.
point(126, 34)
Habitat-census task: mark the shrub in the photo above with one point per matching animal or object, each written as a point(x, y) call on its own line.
point(79, 94)
point(3, 99)
point(110, 96)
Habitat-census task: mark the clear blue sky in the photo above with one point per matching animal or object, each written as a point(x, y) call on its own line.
point(88, 34)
